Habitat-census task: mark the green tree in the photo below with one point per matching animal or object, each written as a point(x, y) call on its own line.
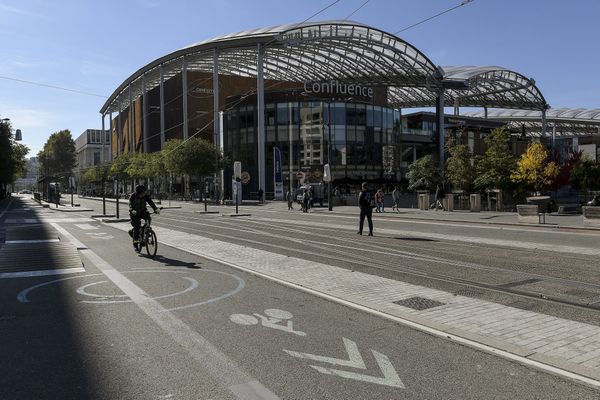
point(118, 168)
point(57, 159)
point(534, 168)
point(585, 175)
point(192, 157)
point(13, 163)
point(493, 169)
point(423, 174)
point(459, 170)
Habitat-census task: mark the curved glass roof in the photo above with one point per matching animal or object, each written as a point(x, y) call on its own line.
point(339, 50)
point(562, 121)
point(471, 86)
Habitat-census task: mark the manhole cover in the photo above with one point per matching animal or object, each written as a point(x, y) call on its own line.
point(418, 303)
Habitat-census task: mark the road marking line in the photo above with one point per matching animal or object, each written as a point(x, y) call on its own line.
point(29, 274)
point(222, 368)
point(354, 360)
point(32, 241)
point(86, 227)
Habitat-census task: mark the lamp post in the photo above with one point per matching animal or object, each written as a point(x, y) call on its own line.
point(328, 169)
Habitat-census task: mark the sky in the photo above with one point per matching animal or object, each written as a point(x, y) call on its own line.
point(87, 48)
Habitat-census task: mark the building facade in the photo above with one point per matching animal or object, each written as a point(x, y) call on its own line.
point(91, 149)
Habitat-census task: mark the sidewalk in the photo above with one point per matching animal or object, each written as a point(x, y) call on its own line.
point(574, 221)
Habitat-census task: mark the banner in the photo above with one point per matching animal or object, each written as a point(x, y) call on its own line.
point(277, 174)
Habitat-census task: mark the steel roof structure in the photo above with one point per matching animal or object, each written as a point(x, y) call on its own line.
point(337, 50)
point(562, 121)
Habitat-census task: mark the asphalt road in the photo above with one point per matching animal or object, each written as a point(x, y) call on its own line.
point(183, 327)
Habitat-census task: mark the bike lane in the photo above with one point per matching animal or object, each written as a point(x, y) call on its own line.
point(230, 328)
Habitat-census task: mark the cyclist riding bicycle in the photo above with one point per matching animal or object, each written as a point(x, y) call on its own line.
point(137, 211)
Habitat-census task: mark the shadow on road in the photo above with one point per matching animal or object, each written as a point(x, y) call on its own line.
point(176, 263)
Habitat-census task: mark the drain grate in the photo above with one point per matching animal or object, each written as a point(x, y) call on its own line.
point(418, 303)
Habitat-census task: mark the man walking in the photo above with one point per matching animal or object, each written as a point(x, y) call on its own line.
point(396, 199)
point(366, 204)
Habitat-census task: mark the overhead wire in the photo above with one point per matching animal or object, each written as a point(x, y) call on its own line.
point(463, 3)
point(358, 9)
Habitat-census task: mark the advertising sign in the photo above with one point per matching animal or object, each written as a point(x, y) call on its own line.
point(277, 174)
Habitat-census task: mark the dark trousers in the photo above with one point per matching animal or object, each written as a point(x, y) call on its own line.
point(366, 212)
point(136, 222)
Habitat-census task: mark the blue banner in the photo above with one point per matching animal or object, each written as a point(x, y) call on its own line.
point(277, 174)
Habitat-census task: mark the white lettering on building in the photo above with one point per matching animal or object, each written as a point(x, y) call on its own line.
point(334, 87)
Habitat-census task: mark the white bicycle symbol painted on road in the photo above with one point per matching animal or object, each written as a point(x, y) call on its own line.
point(272, 320)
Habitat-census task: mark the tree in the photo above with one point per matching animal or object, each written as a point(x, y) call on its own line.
point(192, 157)
point(459, 171)
point(564, 176)
point(13, 163)
point(585, 175)
point(118, 168)
point(423, 174)
point(57, 159)
point(493, 169)
point(534, 168)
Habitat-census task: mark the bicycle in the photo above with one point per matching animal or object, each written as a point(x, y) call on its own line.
point(147, 238)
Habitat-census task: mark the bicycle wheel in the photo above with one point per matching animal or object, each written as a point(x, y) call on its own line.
point(151, 244)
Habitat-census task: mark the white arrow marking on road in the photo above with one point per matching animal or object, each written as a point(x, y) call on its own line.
point(390, 377)
point(355, 360)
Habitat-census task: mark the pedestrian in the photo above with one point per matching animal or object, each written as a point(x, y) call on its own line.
point(396, 199)
point(366, 204)
point(290, 200)
point(595, 202)
point(260, 195)
point(305, 200)
point(439, 197)
point(379, 201)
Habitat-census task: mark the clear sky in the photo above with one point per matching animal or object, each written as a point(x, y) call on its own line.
point(93, 46)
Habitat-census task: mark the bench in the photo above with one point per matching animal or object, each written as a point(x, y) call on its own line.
point(569, 209)
point(591, 216)
point(530, 213)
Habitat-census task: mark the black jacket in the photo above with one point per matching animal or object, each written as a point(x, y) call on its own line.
point(139, 204)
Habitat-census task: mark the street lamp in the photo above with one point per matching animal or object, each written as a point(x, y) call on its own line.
point(327, 173)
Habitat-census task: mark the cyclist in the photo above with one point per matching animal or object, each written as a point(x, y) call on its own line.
point(137, 211)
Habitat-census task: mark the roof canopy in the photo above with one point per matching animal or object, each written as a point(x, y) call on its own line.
point(562, 121)
point(339, 50)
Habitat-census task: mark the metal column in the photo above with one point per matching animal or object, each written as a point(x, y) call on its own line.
point(119, 128)
point(131, 146)
point(144, 115)
point(103, 142)
point(544, 123)
point(216, 117)
point(290, 121)
point(162, 108)
point(110, 127)
point(553, 136)
point(185, 99)
point(260, 91)
point(439, 117)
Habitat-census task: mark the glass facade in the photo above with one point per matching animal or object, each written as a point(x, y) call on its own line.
point(357, 139)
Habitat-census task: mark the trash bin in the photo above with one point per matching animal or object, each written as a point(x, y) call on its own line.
point(475, 202)
point(423, 200)
point(448, 202)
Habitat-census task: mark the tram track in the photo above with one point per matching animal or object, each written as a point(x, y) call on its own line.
point(367, 262)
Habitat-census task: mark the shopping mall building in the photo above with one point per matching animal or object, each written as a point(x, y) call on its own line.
point(287, 100)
